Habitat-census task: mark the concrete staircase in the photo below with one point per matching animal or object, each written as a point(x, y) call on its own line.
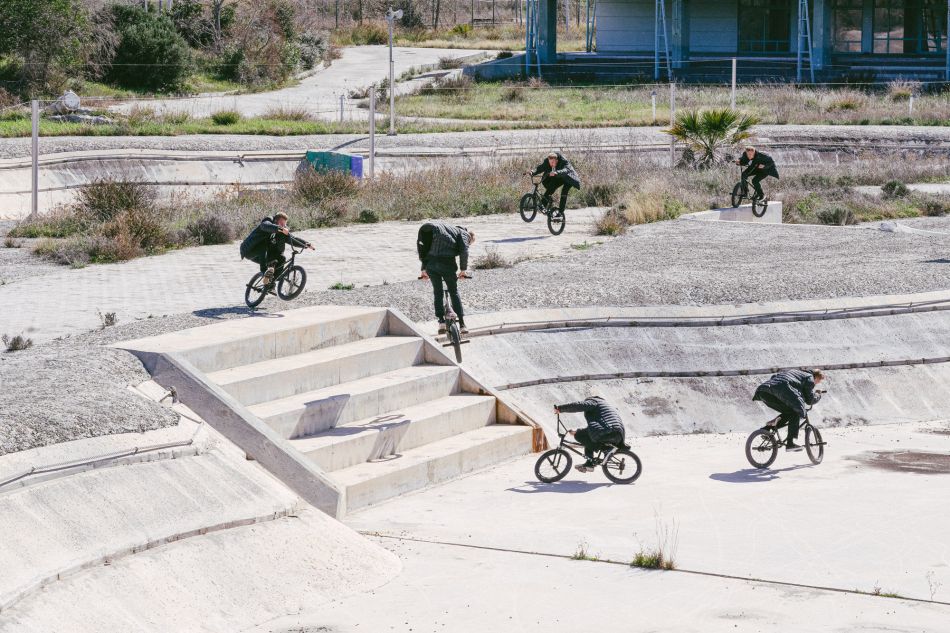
point(360, 393)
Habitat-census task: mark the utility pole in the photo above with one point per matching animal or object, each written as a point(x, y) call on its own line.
point(35, 148)
point(391, 17)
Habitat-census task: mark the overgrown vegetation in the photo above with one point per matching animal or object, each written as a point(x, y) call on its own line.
point(501, 37)
point(492, 259)
point(16, 343)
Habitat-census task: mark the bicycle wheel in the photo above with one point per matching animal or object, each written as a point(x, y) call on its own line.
point(256, 291)
point(738, 195)
point(761, 448)
point(455, 337)
point(813, 445)
point(553, 465)
point(292, 283)
point(529, 207)
point(623, 467)
point(556, 221)
point(759, 207)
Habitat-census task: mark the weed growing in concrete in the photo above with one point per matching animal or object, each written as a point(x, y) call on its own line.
point(583, 554)
point(663, 554)
point(933, 584)
point(16, 343)
point(585, 246)
point(341, 286)
point(877, 591)
point(107, 320)
point(492, 259)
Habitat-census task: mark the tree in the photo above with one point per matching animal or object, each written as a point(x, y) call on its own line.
point(150, 54)
point(46, 35)
point(709, 133)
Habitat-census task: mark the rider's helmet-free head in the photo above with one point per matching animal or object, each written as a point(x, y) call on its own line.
point(280, 218)
point(817, 374)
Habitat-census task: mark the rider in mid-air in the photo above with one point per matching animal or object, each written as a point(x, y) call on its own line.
point(438, 244)
point(557, 172)
point(265, 245)
point(787, 392)
point(604, 426)
point(759, 166)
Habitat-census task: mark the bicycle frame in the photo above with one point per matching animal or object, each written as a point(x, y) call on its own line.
point(543, 209)
point(287, 265)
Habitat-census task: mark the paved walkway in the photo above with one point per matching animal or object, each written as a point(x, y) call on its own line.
point(319, 94)
point(66, 301)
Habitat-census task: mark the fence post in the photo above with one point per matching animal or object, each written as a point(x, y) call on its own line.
point(672, 121)
point(911, 104)
point(341, 108)
point(653, 99)
point(372, 133)
point(35, 150)
point(733, 83)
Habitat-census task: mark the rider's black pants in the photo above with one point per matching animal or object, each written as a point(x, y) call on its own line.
point(583, 436)
point(444, 269)
point(789, 414)
point(268, 256)
point(756, 181)
point(551, 183)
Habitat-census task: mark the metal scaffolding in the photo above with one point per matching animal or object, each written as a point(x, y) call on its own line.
point(660, 33)
point(804, 41)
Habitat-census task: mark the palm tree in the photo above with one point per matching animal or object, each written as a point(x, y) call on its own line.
point(709, 133)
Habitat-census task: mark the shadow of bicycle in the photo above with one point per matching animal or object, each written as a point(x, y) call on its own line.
point(753, 475)
point(560, 487)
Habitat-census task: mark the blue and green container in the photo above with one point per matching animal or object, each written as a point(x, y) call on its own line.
point(336, 161)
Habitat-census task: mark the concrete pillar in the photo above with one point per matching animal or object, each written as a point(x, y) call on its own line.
point(547, 34)
point(680, 33)
point(867, 31)
point(821, 33)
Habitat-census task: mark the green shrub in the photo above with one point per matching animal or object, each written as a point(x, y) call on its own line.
point(612, 222)
point(369, 34)
point(653, 559)
point(600, 195)
point(225, 117)
point(835, 214)
point(341, 286)
point(105, 200)
point(894, 189)
point(314, 46)
point(315, 187)
point(367, 216)
point(462, 30)
point(60, 223)
point(210, 229)
point(150, 54)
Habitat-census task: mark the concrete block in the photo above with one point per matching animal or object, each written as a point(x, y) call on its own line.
point(773, 214)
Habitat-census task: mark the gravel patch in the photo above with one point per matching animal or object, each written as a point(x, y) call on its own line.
point(20, 263)
point(556, 138)
point(928, 224)
point(67, 390)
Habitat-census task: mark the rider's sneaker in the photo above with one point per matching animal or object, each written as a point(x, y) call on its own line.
point(268, 275)
point(792, 447)
point(586, 467)
point(462, 328)
point(441, 327)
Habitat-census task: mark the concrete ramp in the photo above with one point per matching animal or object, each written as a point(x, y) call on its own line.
point(348, 406)
point(743, 213)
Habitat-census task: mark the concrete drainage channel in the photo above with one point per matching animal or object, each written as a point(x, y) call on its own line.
point(346, 406)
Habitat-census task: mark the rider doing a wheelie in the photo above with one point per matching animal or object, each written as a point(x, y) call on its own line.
point(604, 426)
point(759, 166)
point(788, 392)
point(556, 171)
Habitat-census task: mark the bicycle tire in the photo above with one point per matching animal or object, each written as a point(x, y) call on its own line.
point(556, 221)
point(738, 195)
point(761, 443)
point(618, 462)
point(813, 445)
point(759, 207)
point(256, 292)
point(455, 337)
point(558, 461)
point(293, 281)
point(528, 207)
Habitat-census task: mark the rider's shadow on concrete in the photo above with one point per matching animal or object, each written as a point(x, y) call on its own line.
point(226, 313)
point(515, 240)
point(752, 475)
point(942, 260)
point(562, 487)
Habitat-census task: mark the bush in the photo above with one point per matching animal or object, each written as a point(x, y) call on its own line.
point(105, 200)
point(313, 48)
point(9, 242)
point(315, 187)
point(449, 63)
point(901, 90)
point(836, 214)
point(226, 117)
point(462, 30)
point(210, 229)
point(151, 54)
point(599, 195)
point(894, 189)
point(16, 343)
point(612, 222)
point(504, 55)
point(369, 34)
point(367, 216)
point(491, 259)
point(934, 207)
point(512, 93)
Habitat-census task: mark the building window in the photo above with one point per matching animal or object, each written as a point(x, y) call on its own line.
point(848, 25)
point(765, 26)
point(889, 33)
point(933, 27)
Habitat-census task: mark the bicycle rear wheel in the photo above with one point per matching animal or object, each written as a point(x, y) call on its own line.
point(256, 291)
point(455, 337)
point(623, 467)
point(553, 465)
point(738, 195)
point(292, 283)
point(556, 221)
point(528, 207)
point(814, 446)
point(761, 448)
point(759, 207)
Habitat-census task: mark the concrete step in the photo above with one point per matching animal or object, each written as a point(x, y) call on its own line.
point(245, 341)
point(313, 412)
point(287, 376)
point(433, 463)
point(398, 431)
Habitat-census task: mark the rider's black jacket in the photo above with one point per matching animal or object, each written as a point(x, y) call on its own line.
point(267, 238)
point(563, 168)
point(760, 158)
point(440, 240)
point(794, 387)
point(602, 418)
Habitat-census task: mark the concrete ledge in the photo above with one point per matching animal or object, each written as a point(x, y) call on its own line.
point(773, 214)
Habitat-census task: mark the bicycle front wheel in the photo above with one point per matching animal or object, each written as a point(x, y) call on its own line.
point(761, 448)
point(738, 195)
point(256, 291)
point(814, 446)
point(553, 465)
point(292, 283)
point(556, 222)
point(455, 337)
point(529, 207)
point(623, 467)
point(759, 207)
